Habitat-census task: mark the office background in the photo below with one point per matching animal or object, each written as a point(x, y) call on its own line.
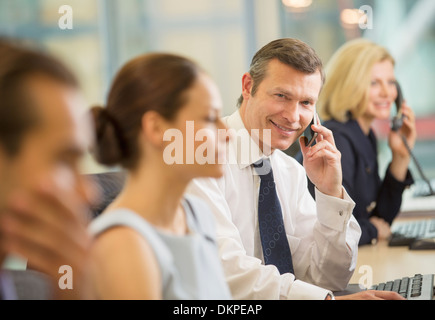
point(223, 36)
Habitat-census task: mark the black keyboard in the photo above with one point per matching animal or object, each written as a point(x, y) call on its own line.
point(406, 233)
point(418, 287)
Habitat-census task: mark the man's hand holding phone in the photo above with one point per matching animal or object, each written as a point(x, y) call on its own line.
point(310, 136)
point(322, 161)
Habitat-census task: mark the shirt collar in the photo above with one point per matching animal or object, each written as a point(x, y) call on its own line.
point(245, 148)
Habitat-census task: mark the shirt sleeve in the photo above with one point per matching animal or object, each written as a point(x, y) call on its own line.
point(328, 249)
point(247, 277)
point(350, 176)
point(339, 226)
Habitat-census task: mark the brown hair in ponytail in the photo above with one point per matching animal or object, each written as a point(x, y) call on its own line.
point(155, 82)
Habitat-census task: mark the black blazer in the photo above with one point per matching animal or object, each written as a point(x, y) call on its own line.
point(373, 196)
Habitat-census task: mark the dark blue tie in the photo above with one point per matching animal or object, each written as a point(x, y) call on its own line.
point(276, 249)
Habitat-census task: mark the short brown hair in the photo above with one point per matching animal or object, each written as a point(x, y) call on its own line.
point(291, 52)
point(155, 81)
point(17, 114)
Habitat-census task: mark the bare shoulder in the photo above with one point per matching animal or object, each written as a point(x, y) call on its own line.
point(125, 266)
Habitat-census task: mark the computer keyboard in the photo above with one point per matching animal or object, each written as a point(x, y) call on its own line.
point(418, 287)
point(408, 233)
point(422, 189)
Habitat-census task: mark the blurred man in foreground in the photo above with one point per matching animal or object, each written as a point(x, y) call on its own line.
point(43, 197)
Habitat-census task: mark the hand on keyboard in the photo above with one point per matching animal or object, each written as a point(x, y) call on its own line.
point(382, 226)
point(372, 295)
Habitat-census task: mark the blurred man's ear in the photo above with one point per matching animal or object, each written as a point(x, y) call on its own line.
point(247, 83)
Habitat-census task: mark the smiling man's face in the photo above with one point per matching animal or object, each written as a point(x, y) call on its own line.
point(284, 103)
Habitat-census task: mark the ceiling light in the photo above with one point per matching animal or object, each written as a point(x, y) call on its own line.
point(297, 4)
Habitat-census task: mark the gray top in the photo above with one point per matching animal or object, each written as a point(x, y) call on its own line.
point(189, 265)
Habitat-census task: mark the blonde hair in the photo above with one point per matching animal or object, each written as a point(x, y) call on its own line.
point(348, 78)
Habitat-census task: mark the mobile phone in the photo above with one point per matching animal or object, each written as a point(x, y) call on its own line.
point(309, 134)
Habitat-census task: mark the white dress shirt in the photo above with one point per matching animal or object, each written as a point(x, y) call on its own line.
point(323, 235)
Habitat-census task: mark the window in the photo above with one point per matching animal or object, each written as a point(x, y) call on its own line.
point(406, 28)
point(219, 35)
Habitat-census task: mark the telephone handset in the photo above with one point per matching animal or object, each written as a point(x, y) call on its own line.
point(397, 121)
point(396, 124)
point(309, 134)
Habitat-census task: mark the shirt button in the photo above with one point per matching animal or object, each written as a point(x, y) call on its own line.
point(341, 213)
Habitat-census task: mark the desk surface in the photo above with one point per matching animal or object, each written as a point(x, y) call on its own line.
point(389, 263)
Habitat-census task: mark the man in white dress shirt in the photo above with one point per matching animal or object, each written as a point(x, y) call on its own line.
point(278, 100)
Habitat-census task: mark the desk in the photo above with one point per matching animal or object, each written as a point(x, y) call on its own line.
point(417, 205)
point(390, 263)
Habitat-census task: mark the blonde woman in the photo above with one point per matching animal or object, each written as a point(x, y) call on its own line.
point(361, 87)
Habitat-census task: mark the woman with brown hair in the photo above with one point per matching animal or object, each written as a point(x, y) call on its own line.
point(154, 242)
